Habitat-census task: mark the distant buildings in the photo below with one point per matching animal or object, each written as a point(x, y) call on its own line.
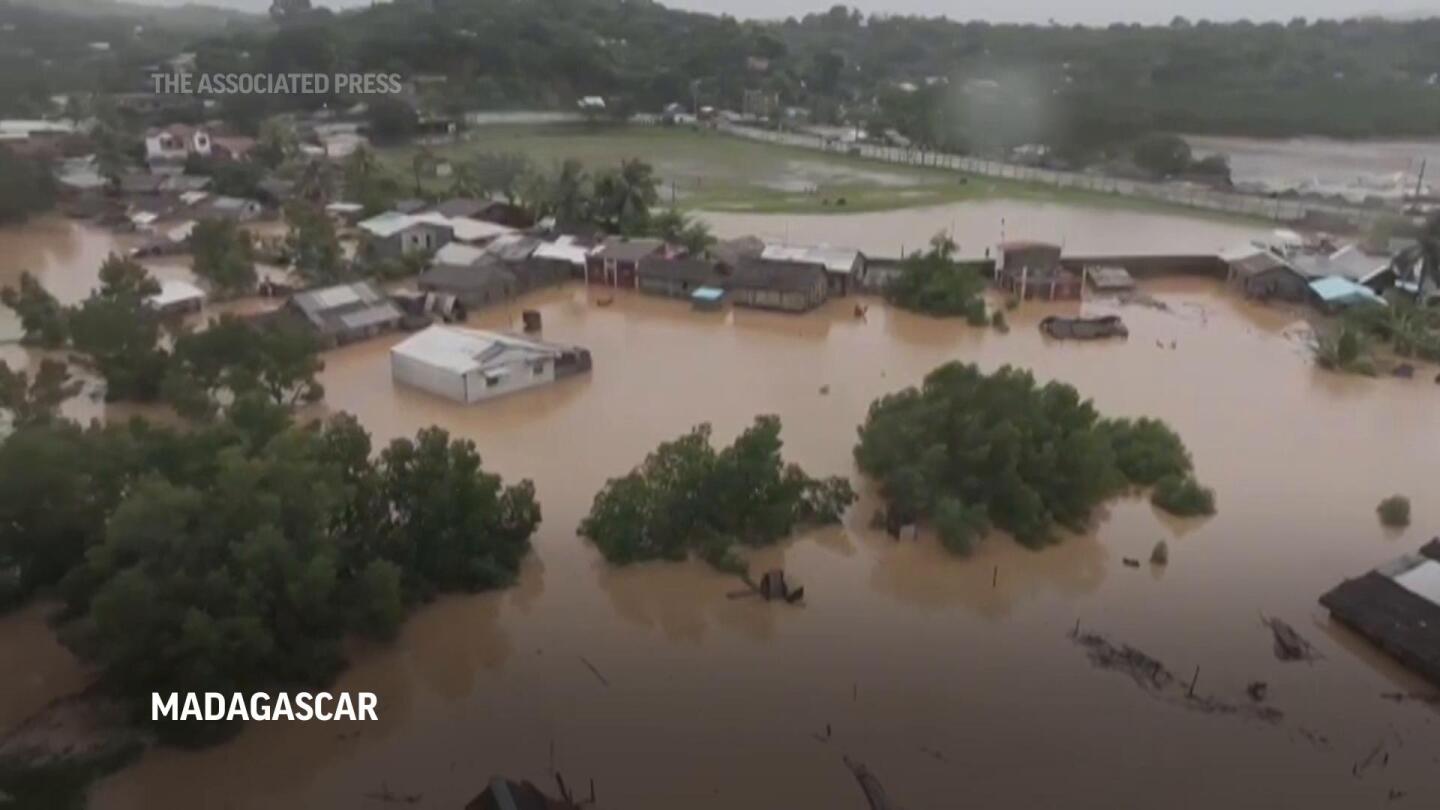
point(466, 365)
point(616, 263)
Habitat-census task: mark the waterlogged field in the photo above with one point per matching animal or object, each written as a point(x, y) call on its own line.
point(702, 169)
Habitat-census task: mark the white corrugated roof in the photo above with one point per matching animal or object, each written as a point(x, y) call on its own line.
point(466, 229)
point(386, 224)
point(174, 292)
point(1423, 580)
point(835, 259)
point(562, 250)
point(466, 350)
point(457, 254)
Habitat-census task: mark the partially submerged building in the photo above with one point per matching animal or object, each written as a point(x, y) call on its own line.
point(844, 267)
point(177, 296)
point(467, 365)
point(1033, 270)
point(1397, 607)
point(1261, 273)
point(785, 286)
point(616, 263)
point(677, 278)
point(393, 235)
point(1335, 293)
point(344, 313)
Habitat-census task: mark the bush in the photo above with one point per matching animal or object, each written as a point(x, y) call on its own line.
point(968, 449)
point(1394, 511)
point(687, 498)
point(997, 320)
point(1183, 496)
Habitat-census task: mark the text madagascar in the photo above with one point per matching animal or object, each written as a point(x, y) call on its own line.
point(302, 706)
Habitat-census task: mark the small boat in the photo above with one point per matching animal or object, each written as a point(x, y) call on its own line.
point(1107, 326)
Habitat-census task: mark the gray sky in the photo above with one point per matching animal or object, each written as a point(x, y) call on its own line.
point(1064, 11)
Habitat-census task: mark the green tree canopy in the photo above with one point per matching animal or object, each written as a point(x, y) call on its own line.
point(688, 499)
point(969, 450)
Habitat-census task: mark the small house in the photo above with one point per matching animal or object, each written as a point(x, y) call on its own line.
point(616, 263)
point(393, 235)
point(1349, 262)
point(1261, 273)
point(176, 297)
point(235, 209)
point(676, 278)
point(468, 365)
point(785, 286)
point(344, 313)
point(1396, 607)
point(1033, 270)
point(484, 282)
point(844, 267)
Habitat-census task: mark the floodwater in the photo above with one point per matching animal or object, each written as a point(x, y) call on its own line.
point(1354, 169)
point(977, 226)
point(953, 679)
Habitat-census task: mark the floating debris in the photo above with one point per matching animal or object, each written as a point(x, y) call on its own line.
point(1156, 680)
point(1289, 644)
point(1161, 554)
point(1258, 690)
point(1106, 326)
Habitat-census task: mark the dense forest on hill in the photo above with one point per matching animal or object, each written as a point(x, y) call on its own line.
point(967, 85)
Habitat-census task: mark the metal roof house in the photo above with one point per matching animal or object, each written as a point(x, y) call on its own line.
point(786, 286)
point(393, 234)
point(1334, 293)
point(468, 365)
point(845, 267)
point(1396, 606)
point(1263, 274)
point(345, 313)
point(677, 278)
point(177, 296)
point(617, 262)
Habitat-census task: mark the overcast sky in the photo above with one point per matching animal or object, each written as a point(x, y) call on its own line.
point(1063, 11)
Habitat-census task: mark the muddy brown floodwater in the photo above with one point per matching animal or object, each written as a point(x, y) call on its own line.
point(955, 692)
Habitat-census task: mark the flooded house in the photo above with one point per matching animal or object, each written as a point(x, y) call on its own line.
point(493, 210)
point(469, 365)
point(1351, 263)
point(1261, 273)
point(1396, 607)
point(341, 314)
point(234, 209)
point(393, 235)
point(473, 278)
point(844, 267)
point(784, 286)
point(176, 296)
point(1334, 294)
point(1028, 269)
point(678, 277)
point(616, 263)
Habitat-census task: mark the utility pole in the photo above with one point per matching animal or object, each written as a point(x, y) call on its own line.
point(1420, 181)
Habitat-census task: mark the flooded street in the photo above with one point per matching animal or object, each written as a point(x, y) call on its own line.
point(953, 679)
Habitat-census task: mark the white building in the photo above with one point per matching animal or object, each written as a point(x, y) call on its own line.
point(175, 143)
point(177, 296)
point(467, 365)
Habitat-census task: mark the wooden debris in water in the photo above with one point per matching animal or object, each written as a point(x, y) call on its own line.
point(869, 785)
point(1161, 554)
point(1289, 644)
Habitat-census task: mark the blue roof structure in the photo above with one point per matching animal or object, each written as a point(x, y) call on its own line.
point(1342, 291)
point(707, 294)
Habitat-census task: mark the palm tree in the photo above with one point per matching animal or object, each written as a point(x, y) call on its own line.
point(423, 163)
point(569, 197)
point(625, 196)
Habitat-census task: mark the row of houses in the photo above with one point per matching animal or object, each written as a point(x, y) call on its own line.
point(1330, 277)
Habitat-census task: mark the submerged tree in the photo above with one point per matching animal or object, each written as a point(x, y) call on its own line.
point(967, 450)
point(688, 499)
point(118, 332)
point(224, 256)
point(313, 245)
point(41, 315)
point(934, 283)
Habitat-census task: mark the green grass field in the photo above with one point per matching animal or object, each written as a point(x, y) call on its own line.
point(716, 172)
